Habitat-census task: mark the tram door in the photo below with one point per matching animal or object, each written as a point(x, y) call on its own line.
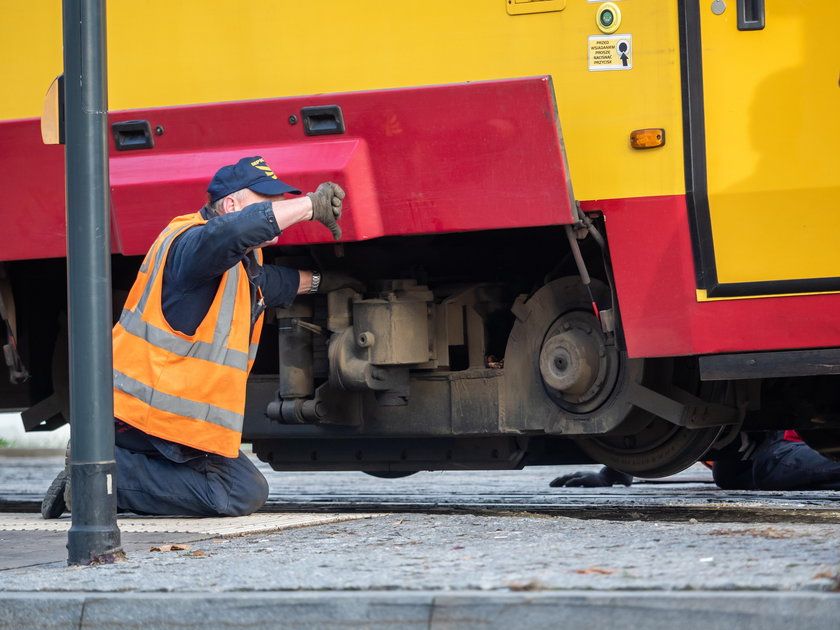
point(772, 135)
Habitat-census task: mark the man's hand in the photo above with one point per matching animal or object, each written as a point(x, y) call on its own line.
point(585, 479)
point(326, 206)
point(335, 280)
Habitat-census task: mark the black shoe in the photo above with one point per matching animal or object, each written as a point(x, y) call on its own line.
point(53, 504)
point(57, 498)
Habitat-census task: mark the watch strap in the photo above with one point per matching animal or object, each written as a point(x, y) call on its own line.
point(316, 282)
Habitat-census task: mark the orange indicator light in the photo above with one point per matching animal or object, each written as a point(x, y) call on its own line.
point(647, 138)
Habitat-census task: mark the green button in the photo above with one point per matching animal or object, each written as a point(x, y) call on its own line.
point(607, 17)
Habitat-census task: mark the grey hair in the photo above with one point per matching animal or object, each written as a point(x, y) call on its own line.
point(216, 206)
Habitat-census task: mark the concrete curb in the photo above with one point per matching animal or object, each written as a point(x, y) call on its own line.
point(429, 610)
point(31, 451)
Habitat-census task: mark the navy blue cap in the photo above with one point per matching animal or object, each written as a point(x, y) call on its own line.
point(250, 172)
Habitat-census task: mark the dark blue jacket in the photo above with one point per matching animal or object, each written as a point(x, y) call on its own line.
point(201, 255)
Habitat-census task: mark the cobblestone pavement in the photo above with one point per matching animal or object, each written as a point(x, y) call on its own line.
point(467, 552)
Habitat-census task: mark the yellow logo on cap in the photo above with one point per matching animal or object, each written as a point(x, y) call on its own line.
point(265, 168)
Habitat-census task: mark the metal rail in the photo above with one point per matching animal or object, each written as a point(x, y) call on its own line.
point(702, 504)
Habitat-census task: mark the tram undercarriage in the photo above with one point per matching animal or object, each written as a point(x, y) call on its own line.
point(429, 372)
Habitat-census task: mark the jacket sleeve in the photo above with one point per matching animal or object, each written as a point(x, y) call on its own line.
point(205, 252)
point(200, 256)
point(279, 285)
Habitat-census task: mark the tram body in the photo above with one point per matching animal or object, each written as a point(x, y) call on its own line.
point(589, 231)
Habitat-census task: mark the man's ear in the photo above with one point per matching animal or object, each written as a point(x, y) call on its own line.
point(228, 204)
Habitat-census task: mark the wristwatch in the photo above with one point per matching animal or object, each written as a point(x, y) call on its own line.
point(316, 282)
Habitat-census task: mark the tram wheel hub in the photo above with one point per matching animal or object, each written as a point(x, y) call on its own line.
point(577, 367)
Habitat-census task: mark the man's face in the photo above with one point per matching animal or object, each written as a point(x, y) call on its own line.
point(249, 197)
point(243, 198)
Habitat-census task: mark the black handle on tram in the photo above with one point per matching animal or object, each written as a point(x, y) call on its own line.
point(750, 15)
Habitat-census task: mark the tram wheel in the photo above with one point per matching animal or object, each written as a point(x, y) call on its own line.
point(390, 474)
point(563, 374)
point(657, 450)
point(651, 447)
point(568, 377)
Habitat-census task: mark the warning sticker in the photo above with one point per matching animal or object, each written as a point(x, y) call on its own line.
point(611, 52)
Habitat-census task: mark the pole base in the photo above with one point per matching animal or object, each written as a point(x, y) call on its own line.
point(94, 537)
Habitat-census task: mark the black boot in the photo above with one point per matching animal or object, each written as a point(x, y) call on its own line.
point(57, 498)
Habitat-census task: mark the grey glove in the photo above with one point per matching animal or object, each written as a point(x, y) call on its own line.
point(326, 206)
point(335, 280)
point(585, 479)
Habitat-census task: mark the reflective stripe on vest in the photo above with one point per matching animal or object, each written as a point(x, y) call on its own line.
point(188, 389)
point(176, 405)
point(217, 351)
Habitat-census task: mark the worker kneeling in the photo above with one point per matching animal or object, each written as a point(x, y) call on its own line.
point(186, 341)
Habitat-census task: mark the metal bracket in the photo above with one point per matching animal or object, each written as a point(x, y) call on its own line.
point(17, 370)
point(313, 328)
point(45, 415)
point(689, 411)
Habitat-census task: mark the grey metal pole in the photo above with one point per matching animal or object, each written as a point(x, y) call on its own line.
point(94, 535)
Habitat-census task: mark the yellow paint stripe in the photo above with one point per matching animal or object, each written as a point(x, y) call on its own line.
point(703, 296)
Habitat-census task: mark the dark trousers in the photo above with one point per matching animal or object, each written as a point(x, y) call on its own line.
point(779, 464)
point(782, 465)
point(162, 478)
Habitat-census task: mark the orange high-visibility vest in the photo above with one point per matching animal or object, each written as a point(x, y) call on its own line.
point(188, 389)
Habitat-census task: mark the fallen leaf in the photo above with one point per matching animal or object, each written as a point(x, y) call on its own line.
point(399, 522)
point(197, 552)
point(170, 548)
point(824, 575)
point(594, 570)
